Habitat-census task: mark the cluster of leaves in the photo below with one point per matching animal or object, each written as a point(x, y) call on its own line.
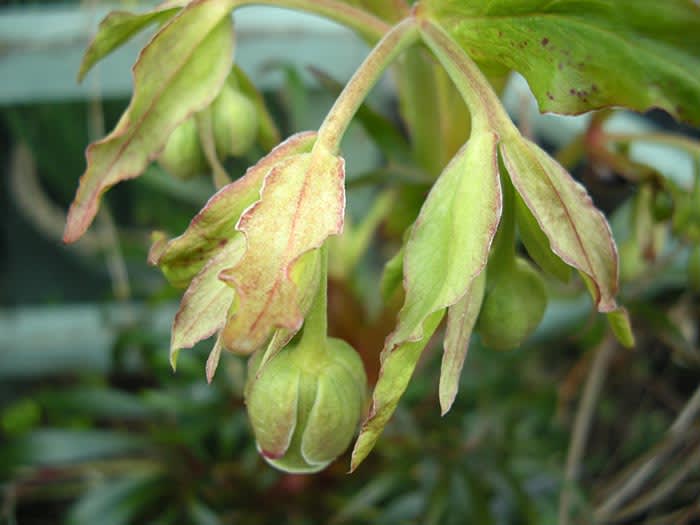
point(250, 259)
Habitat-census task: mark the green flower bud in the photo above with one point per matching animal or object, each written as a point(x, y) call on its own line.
point(513, 307)
point(236, 122)
point(694, 268)
point(183, 156)
point(306, 404)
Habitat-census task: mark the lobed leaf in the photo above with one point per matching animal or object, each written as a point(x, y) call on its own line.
point(177, 74)
point(214, 226)
point(302, 203)
point(579, 55)
point(461, 318)
point(116, 29)
point(578, 232)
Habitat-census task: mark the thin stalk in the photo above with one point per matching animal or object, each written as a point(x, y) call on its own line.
point(313, 339)
point(483, 102)
point(582, 424)
point(356, 90)
point(368, 26)
point(667, 139)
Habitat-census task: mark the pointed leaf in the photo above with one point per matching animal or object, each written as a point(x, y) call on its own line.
point(213, 359)
point(205, 304)
point(396, 371)
point(451, 239)
point(461, 318)
point(177, 74)
point(577, 231)
point(116, 29)
point(621, 327)
point(302, 203)
point(215, 225)
point(578, 56)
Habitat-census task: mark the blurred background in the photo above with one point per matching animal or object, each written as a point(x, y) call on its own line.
point(95, 428)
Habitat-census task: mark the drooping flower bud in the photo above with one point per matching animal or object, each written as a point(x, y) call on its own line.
point(183, 156)
point(305, 404)
point(513, 307)
point(235, 120)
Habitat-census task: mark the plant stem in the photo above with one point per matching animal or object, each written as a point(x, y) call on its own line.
point(348, 102)
point(368, 26)
point(316, 324)
point(582, 424)
point(485, 107)
point(676, 141)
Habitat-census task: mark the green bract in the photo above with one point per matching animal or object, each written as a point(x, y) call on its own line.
point(305, 404)
point(513, 307)
point(236, 122)
point(183, 156)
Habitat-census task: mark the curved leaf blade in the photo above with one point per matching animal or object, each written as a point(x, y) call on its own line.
point(116, 29)
point(214, 226)
point(577, 231)
point(582, 55)
point(178, 73)
point(302, 203)
point(461, 318)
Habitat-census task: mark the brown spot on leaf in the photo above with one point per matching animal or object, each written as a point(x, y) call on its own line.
point(545, 41)
point(550, 96)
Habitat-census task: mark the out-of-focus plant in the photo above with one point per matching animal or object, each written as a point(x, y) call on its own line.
point(483, 227)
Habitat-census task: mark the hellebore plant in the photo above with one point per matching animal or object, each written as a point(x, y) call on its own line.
point(254, 260)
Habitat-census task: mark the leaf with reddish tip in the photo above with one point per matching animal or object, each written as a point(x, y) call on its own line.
point(215, 225)
point(116, 29)
point(213, 359)
point(302, 203)
point(461, 318)
point(177, 74)
point(205, 305)
point(582, 55)
point(396, 371)
point(578, 232)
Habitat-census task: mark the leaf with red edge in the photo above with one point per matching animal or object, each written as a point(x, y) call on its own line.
point(461, 318)
point(577, 231)
point(214, 226)
point(205, 304)
point(302, 203)
point(177, 74)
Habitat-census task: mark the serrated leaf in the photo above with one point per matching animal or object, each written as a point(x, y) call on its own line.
point(116, 29)
point(302, 203)
point(215, 225)
point(537, 244)
point(177, 74)
point(450, 241)
point(461, 318)
point(205, 305)
point(396, 371)
point(621, 327)
point(581, 55)
point(578, 232)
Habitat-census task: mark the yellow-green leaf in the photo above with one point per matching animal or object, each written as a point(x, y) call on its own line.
point(116, 29)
